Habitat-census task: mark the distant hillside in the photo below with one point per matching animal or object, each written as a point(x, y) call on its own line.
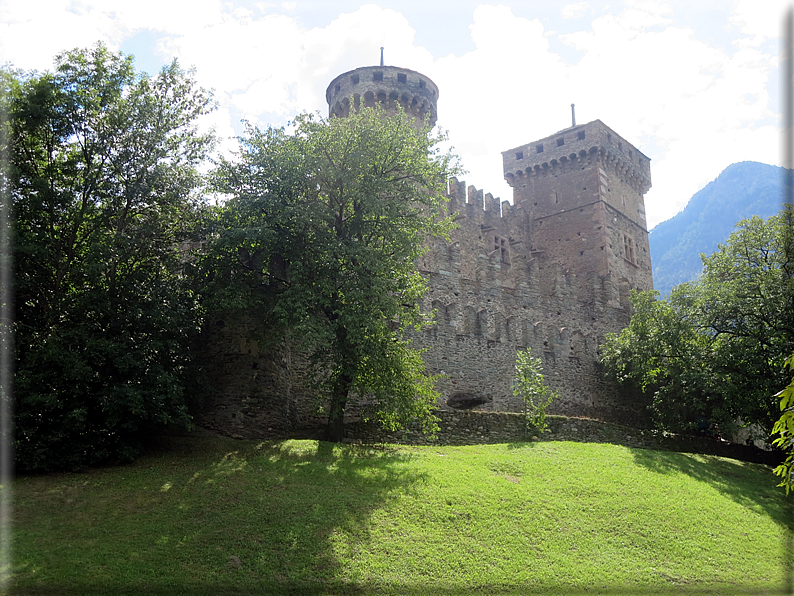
point(741, 191)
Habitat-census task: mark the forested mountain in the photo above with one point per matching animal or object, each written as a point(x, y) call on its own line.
point(740, 191)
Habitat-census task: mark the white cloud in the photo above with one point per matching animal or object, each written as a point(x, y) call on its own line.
point(33, 33)
point(574, 11)
point(759, 19)
point(696, 103)
point(692, 106)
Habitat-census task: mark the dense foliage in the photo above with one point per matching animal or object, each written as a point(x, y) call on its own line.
point(742, 190)
point(102, 180)
point(784, 427)
point(320, 235)
point(713, 351)
point(530, 386)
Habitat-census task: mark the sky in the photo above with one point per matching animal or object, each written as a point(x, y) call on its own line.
point(692, 84)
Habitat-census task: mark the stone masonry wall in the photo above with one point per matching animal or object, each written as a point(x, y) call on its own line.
point(550, 272)
point(480, 428)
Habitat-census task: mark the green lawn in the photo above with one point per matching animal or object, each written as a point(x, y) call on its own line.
point(216, 516)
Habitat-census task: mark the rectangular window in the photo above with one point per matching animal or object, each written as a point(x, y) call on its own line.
point(560, 142)
point(539, 148)
point(354, 79)
point(628, 247)
point(500, 244)
point(519, 155)
point(401, 78)
point(378, 76)
point(580, 135)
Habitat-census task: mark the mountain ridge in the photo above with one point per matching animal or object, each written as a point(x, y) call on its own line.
point(741, 190)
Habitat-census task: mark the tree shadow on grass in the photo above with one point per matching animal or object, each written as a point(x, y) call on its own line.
point(217, 517)
point(739, 480)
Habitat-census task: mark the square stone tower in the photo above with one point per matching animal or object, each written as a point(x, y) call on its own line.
point(583, 188)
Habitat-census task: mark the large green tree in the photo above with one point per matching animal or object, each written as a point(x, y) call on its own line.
point(715, 348)
point(321, 234)
point(102, 178)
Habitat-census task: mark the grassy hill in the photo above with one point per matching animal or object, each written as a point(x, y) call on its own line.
point(216, 516)
point(740, 191)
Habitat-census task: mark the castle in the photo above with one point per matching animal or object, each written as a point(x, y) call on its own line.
point(552, 272)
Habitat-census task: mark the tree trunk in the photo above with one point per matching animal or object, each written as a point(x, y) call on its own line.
point(334, 432)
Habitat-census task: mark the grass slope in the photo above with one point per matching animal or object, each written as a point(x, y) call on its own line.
point(215, 516)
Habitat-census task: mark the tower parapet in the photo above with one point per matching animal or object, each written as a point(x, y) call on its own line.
point(576, 144)
point(387, 86)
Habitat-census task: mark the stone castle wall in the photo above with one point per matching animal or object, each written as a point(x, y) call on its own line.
point(550, 272)
point(492, 301)
point(492, 294)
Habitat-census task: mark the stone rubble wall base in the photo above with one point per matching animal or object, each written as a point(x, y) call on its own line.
point(479, 428)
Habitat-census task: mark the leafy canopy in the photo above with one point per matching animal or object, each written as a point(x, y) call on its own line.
point(715, 347)
point(320, 235)
point(784, 427)
point(103, 179)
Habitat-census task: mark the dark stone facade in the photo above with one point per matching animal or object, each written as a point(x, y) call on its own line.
point(550, 272)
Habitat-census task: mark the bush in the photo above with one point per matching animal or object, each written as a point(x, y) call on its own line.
point(530, 385)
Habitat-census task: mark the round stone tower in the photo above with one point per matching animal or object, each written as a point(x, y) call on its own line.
point(384, 85)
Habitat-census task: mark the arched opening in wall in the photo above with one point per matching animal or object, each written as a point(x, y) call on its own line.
point(346, 107)
point(369, 99)
point(481, 324)
point(578, 346)
point(382, 98)
point(469, 320)
point(357, 101)
point(592, 156)
point(392, 98)
point(554, 198)
point(442, 313)
point(525, 332)
point(510, 328)
point(500, 327)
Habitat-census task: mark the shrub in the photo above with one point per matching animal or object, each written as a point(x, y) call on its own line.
point(530, 385)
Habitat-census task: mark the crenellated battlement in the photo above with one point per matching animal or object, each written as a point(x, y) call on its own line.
point(579, 147)
point(469, 201)
point(387, 86)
